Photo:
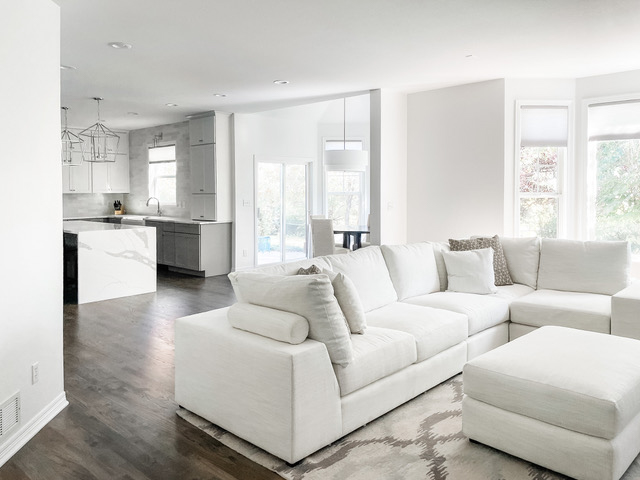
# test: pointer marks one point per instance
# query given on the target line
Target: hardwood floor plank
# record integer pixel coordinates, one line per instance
(119, 379)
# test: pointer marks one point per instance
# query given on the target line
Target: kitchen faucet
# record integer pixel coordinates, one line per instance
(159, 212)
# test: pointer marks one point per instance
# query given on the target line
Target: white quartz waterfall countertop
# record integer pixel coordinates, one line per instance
(151, 218)
(79, 226)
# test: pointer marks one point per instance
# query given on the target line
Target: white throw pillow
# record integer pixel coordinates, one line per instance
(412, 269)
(310, 296)
(276, 324)
(470, 271)
(347, 295)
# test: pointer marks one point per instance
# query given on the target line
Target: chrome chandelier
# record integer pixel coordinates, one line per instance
(102, 141)
(72, 145)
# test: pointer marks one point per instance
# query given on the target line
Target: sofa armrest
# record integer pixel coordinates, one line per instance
(625, 312)
(283, 398)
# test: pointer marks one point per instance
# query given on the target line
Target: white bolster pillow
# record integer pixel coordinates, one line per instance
(269, 322)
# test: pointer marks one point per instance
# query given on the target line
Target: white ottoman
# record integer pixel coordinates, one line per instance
(566, 399)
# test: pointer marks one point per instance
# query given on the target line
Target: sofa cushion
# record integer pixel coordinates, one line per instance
(586, 311)
(438, 248)
(276, 324)
(368, 271)
(581, 381)
(310, 296)
(589, 267)
(523, 259)
(377, 354)
(511, 292)
(500, 270)
(483, 311)
(412, 269)
(470, 271)
(348, 299)
(293, 267)
(433, 329)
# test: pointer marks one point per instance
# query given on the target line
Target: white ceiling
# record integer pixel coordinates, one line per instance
(184, 51)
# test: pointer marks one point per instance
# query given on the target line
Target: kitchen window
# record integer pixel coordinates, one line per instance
(541, 159)
(162, 174)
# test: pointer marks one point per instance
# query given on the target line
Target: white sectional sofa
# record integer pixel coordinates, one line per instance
(270, 381)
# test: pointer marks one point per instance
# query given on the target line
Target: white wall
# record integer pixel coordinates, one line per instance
(31, 240)
(526, 90)
(388, 167)
(455, 161)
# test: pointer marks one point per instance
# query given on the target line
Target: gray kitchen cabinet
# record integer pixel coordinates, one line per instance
(211, 168)
(188, 251)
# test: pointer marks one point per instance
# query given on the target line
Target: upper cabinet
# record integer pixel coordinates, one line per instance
(202, 130)
(100, 177)
(210, 163)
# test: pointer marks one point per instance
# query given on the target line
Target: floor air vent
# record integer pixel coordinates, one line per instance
(9, 414)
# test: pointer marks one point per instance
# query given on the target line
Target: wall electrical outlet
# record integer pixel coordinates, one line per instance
(245, 253)
(35, 373)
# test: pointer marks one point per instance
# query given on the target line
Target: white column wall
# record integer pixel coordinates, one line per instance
(455, 162)
(31, 240)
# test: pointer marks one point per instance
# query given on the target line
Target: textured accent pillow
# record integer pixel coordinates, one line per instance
(312, 270)
(470, 271)
(276, 324)
(310, 296)
(500, 270)
(349, 301)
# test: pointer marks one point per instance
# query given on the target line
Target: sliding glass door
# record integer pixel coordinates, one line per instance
(282, 199)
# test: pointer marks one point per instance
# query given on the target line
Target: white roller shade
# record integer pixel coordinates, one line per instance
(544, 126)
(162, 154)
(614, 121)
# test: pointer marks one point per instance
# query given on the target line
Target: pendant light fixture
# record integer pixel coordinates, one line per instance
(72, 145)
(352, 160)
(102, 142)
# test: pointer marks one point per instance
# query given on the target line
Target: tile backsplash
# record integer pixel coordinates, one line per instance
(89, 204)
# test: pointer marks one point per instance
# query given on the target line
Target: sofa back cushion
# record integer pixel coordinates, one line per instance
(368, 271)
(438, 248)
(412, 269)
(293, 267)
(589, 267)
(523, 259)
(310, 296)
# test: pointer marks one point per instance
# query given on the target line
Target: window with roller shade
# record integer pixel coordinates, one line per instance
(542, 154)
(614, 171)
(162, 174)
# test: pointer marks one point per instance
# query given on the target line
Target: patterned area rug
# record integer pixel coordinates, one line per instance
(421, 439)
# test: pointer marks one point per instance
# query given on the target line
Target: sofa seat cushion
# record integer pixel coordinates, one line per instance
(482, 311)
(511, 292)
(581, 381)
(368, 271)
(586, 311)
(377, 354)
(433, 329)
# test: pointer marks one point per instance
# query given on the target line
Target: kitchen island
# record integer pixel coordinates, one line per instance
(104, 261)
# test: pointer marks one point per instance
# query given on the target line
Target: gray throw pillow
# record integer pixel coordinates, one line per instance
(500, 270)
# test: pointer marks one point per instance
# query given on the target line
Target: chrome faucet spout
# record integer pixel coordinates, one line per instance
(158, 212)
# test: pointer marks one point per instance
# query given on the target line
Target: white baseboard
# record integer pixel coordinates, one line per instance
(28, 431)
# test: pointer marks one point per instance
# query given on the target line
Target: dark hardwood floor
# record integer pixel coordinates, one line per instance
(121, 421)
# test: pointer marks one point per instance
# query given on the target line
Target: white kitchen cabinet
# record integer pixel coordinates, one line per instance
(202, 130)
(76, 178)
(203, 207)
(203, 171)
(111, 177)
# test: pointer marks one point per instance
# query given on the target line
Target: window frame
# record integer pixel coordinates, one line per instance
(175, 161)
(364, 192)
(565, 165)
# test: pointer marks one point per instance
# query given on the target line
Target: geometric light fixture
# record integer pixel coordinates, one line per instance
(349, 160)
(102, 143)
(72, 145)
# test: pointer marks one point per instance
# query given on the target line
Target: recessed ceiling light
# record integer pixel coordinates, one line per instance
(67, 67)
(221, 95)
(171, 104)
(281, 82)
(470, 55)
(134, 114)
(119, 45)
